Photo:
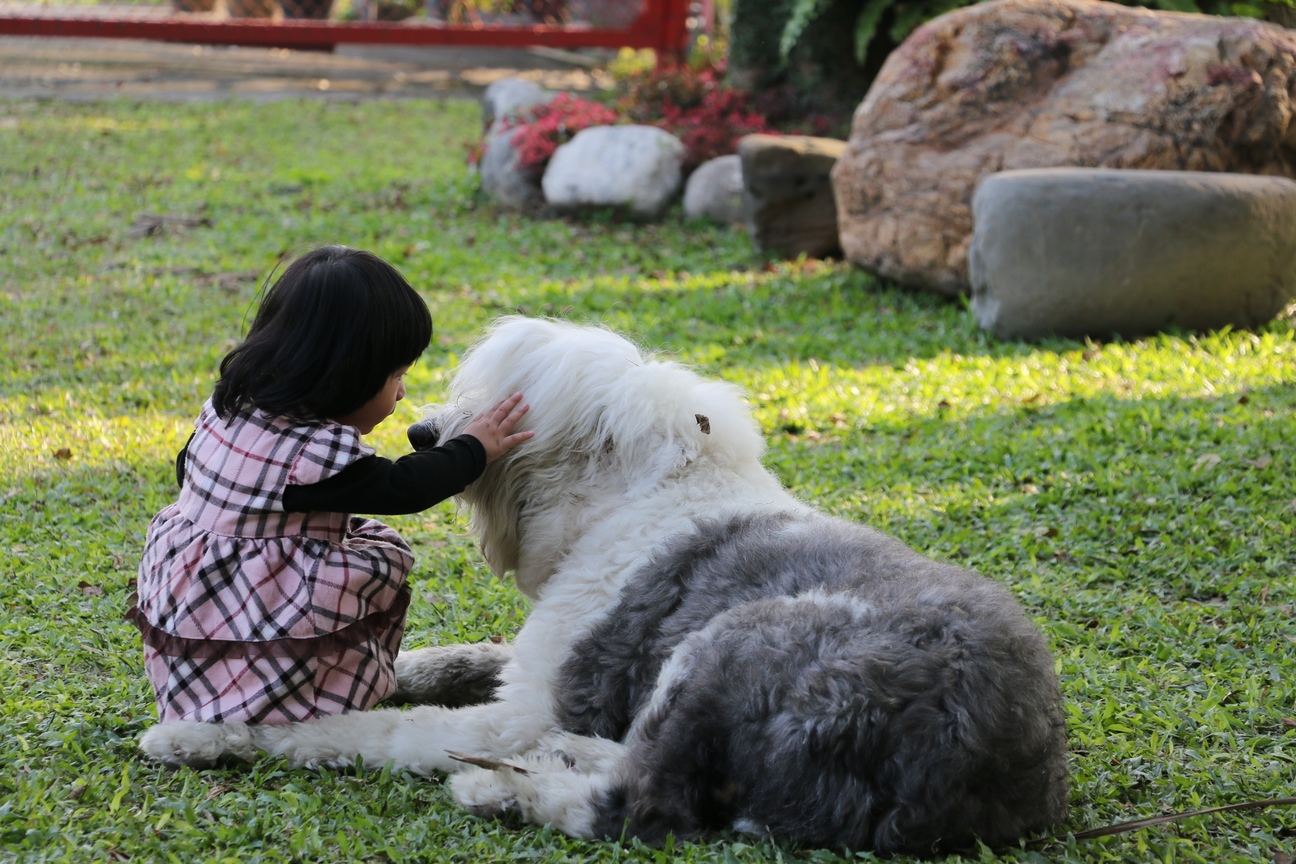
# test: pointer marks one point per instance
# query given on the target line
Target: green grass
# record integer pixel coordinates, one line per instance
(1136, 496)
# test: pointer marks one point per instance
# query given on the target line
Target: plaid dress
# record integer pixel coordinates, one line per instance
(254, 614)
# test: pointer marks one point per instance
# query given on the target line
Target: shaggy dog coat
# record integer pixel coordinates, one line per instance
(704, 652)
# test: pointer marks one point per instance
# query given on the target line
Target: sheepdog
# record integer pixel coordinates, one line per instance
(704, 652)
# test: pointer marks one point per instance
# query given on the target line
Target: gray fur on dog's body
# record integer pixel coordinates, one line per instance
(703, 651)
(847, 692)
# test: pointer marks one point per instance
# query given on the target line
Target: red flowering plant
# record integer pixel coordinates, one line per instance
(546, 127)
(690, 101)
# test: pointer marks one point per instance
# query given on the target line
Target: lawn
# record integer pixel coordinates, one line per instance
(1136, 496)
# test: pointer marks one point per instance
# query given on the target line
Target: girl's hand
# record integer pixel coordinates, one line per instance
(494, 429)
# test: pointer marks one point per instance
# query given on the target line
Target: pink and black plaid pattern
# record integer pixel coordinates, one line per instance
(250, 613)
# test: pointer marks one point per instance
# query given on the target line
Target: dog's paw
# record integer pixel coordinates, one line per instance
(483, 793)
(181, 743)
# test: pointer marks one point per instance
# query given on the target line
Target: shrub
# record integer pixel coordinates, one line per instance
(548, 126)
(691, 101)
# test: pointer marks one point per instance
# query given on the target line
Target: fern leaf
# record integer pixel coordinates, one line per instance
(803, 13)
(866, 26)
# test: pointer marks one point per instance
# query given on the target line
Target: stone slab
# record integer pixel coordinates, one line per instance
(1099, 252)
(788, 193)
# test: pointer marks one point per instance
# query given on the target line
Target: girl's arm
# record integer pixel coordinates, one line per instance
(382, 487)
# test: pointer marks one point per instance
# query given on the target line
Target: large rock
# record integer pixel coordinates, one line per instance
(1043, 83)
(715, 191)
(789, 193)
(1094, 252)
(638, 168)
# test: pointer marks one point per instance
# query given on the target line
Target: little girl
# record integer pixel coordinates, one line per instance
(260, 598)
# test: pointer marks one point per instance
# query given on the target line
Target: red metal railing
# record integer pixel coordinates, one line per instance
(661, 25)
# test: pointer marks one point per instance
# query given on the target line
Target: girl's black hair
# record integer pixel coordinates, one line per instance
(328, 335)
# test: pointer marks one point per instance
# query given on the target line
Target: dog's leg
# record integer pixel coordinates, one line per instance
(418, 740)
(585, 754)
(450, 675)
(453, 675)
(548, 793)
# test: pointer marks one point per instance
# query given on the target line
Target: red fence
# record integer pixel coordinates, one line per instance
(661, 25)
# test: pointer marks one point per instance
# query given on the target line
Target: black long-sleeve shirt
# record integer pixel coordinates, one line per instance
(382, 487)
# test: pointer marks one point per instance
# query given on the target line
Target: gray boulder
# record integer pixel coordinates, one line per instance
(503, 177)
(715, 191)
(789, 195)
(509, 97)
(1092, 252)
(638, 168)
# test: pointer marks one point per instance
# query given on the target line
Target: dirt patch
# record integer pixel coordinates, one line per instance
(84, 70)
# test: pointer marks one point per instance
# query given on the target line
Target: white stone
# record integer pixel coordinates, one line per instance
(508, 97)
(503, 178)
(715, 191)
(635, 167)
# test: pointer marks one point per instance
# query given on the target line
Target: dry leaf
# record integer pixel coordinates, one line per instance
(1261, 462)
(63, 453)
(90, 590)
(498, 640)
(1207, 460)
(483, 762)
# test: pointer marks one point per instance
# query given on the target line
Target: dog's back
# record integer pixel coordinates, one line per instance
(819, 681)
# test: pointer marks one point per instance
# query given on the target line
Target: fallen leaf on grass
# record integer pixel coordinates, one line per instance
(1261, 462)
(1289, 721)
(1207, 460)
(90, 590)
(63, 453)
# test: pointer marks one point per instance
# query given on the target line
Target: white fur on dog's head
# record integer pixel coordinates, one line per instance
(609, 423)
